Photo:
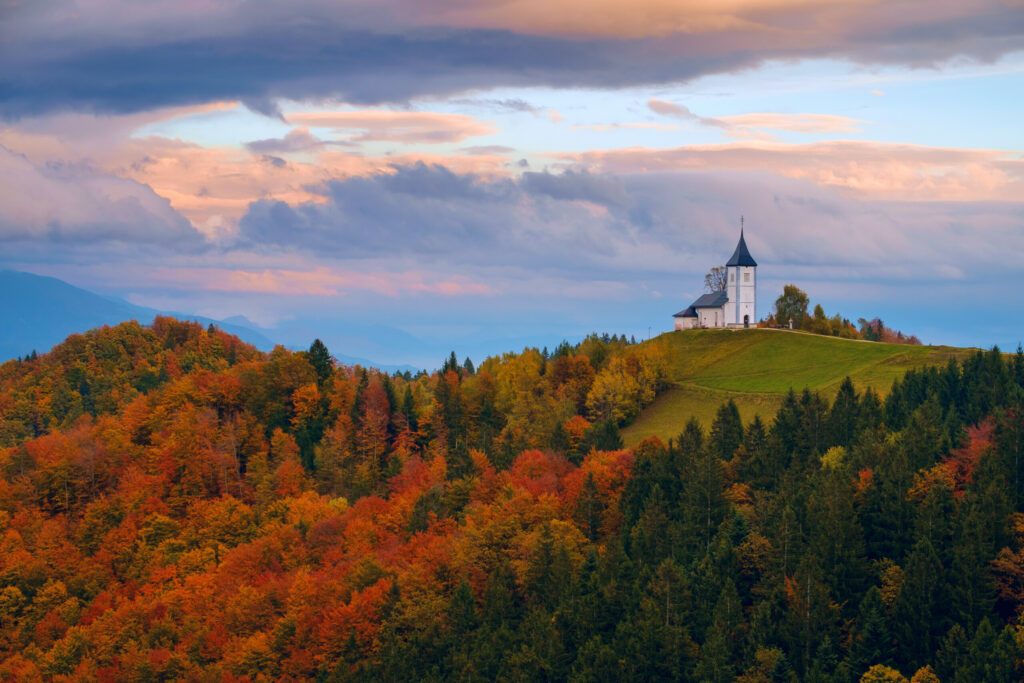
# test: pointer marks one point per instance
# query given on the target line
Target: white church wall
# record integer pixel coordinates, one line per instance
(711, 317)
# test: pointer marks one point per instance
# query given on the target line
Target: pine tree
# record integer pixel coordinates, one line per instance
(703, 505)
(836, 537)
(844, 416)
(726, 430)
(952, 653)
(650, 537)
(604, 436)
(870, 411)
(871, 641)
(321, 360)
(462, 611)
(991, 657)
(589, 509)
(918, 608)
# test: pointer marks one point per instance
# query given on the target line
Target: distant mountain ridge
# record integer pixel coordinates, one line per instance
(38, 312)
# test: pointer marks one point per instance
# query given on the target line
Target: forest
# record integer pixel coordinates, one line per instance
(176, 505)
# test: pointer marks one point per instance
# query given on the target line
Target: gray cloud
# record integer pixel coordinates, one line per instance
(500, 105)
(578, 224)
(297, 140)
(115, 57)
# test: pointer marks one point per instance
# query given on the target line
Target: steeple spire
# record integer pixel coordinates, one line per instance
(741, 257)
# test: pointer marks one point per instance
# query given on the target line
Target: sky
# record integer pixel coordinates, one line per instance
(407, 177)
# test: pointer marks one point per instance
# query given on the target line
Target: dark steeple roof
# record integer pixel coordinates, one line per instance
(741, 257)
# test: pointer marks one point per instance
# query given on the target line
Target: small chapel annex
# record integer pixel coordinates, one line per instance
(736, 305)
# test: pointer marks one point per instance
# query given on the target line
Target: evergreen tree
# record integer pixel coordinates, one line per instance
(321, 360)
(724, 639)
(604, 436)
(703, 504)
(726, 431)
(870, 411)
(991, 657)
(462, 611)
(871, 641)
(844, 416)
(409, 409)
(549, 572)
(952, 653)
(918, 609)
(836, 538)
(650, 537)
(589, 509)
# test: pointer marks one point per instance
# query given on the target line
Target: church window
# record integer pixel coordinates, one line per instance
(730, 276)
(746, 277)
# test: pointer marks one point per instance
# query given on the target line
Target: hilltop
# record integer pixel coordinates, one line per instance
(757, 367)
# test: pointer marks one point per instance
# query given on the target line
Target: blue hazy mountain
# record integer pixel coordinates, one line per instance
(37, 312)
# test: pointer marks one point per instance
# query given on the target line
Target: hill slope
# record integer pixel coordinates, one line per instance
(756, 368)
(37, 312)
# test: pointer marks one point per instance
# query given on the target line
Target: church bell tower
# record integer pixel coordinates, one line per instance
(741, 286)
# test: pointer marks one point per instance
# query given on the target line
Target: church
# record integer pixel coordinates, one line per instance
(736, 305)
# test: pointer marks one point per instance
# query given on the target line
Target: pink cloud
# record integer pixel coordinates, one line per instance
(396, 126)
(214, 186)
(796, 123)
(319, 281)
(751, 124)
(876, 170)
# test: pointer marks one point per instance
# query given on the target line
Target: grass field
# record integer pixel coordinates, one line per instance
(757, 367)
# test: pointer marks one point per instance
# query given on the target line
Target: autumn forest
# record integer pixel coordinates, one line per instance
(177, 505)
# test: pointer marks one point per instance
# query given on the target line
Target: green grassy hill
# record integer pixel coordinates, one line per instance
(757, 367)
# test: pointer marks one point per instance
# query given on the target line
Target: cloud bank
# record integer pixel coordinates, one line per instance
(628, 224)
(125, 56)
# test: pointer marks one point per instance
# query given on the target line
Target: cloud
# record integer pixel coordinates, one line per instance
(60, 204)
(628, 226)
(624, 125)
(671, 109)
(750, 125)
(876, 170)
(121, 56)
(740, 124)
(322, 281)
(512, 104)
(297, 140)
(483, 150)
(213, 187)
(397, 126)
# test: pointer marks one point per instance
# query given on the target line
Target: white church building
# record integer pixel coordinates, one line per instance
(736, 305)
